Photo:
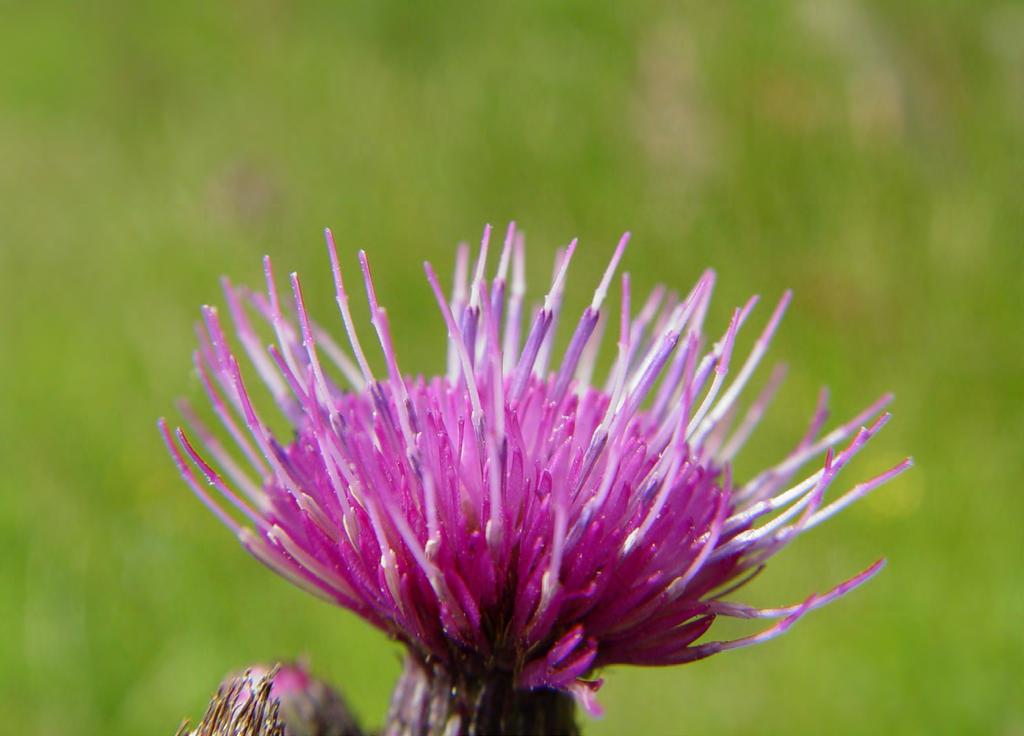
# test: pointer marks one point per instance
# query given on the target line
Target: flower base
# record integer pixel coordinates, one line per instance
(430, 701)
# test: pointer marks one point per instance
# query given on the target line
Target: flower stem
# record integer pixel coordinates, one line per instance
(431, 701)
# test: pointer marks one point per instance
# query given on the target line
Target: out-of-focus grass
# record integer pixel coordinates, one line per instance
(867, 154)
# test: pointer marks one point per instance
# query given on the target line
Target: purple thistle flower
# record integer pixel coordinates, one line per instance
(508, 516)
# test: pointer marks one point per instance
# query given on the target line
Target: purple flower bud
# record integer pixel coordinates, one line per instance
(309, 706)
(281, 701)
(242, 706)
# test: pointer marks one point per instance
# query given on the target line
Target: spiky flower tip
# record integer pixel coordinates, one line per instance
(284, 700)
(242, 706)
(512, 520)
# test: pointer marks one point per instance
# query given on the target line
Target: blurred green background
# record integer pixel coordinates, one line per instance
(867, 154)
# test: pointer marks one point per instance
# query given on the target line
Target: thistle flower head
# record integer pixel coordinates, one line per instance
(514, 513)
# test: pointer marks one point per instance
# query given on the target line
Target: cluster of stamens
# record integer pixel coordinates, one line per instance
(512, 512)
